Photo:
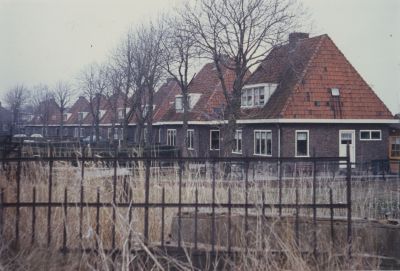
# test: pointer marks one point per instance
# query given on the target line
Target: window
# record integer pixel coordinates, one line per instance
(179, 103)
(121, 113)
(109, 133)
(81, 115)
(190, 137)
(262, 142)
(238, 142)
(257, 96)
(66, 116)
(302, 144)
(395, 147)
(171, 137)
(335, 92)
(214, 139)
(370, 135)
(120, 134)
(76, 132)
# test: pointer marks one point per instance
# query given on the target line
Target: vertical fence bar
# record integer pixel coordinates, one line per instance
(64, 249)
(18, 196)
(331, 216)
(229, 219)
(213, 208)
(280, 186)
(114, 197)
(33, 226)
(180, 203)
(1, 212)
(162, 215)
(263, 241)
(314, 200)
(146, 201)
(50, 195)
(81, 195)
(348, 182)
(97, 217)
(297, 219)
(196, 212)
(246, 209)
(130, 198)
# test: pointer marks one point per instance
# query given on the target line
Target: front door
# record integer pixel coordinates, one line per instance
(347, 137)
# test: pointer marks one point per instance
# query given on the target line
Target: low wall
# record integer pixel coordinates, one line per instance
(369, 236)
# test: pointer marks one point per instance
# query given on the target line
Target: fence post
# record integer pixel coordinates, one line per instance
(180, 165)
(114, 198)
(349, 222)
(50, 192)
(1, 212)
(280, 185)
(146, 200)
(81, 195)
(213, 208)
(314, 199)
(18, 196)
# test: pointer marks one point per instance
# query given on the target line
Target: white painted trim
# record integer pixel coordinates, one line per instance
(353, 143)
(262, 121)
(370, 133)
(254, 121)
(174, 133)
(266, 147)
(219, 139)
(187, 134)
(236, 152)
(308, 143)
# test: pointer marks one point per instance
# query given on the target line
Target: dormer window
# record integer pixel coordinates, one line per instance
(146, 109)
(81, 115)
(335, 92)
(179, 103)
(193, 98)
(257, 95)
(102, 113)
(121, 113)
(66, 116)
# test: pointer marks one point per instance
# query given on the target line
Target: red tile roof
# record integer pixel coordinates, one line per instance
(305, 73)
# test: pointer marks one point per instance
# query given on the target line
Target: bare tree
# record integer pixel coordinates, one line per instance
(114, 94)
(236, 35)
(148, 73)
(121, 74)
(41, 102)
(180, 51)
(93, 82)
(62, 93)
(15, 98)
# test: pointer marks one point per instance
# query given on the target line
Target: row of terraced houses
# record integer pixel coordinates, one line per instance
(304, 98)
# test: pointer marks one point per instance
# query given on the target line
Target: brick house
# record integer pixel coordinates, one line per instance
(305, 98)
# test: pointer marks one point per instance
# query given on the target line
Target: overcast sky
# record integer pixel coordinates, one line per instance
(50, 40)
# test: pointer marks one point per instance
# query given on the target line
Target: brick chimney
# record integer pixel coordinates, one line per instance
(296, 36)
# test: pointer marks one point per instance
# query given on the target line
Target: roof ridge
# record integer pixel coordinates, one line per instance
(304, 72)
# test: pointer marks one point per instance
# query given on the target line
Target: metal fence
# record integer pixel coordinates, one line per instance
(226, 170)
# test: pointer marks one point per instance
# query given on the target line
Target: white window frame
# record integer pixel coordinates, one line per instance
(190, 141)
(219, 140)
(180, 97)
(236, 149)
(266, 145)
(308, 143)
(255, 91)
(370, 135)
(173, 138)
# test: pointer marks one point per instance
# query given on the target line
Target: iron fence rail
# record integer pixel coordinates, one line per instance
(213, 206)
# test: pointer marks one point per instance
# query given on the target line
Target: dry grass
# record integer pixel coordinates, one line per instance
(98, 176)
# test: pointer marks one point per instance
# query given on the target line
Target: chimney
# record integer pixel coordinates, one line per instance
(296, 36)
